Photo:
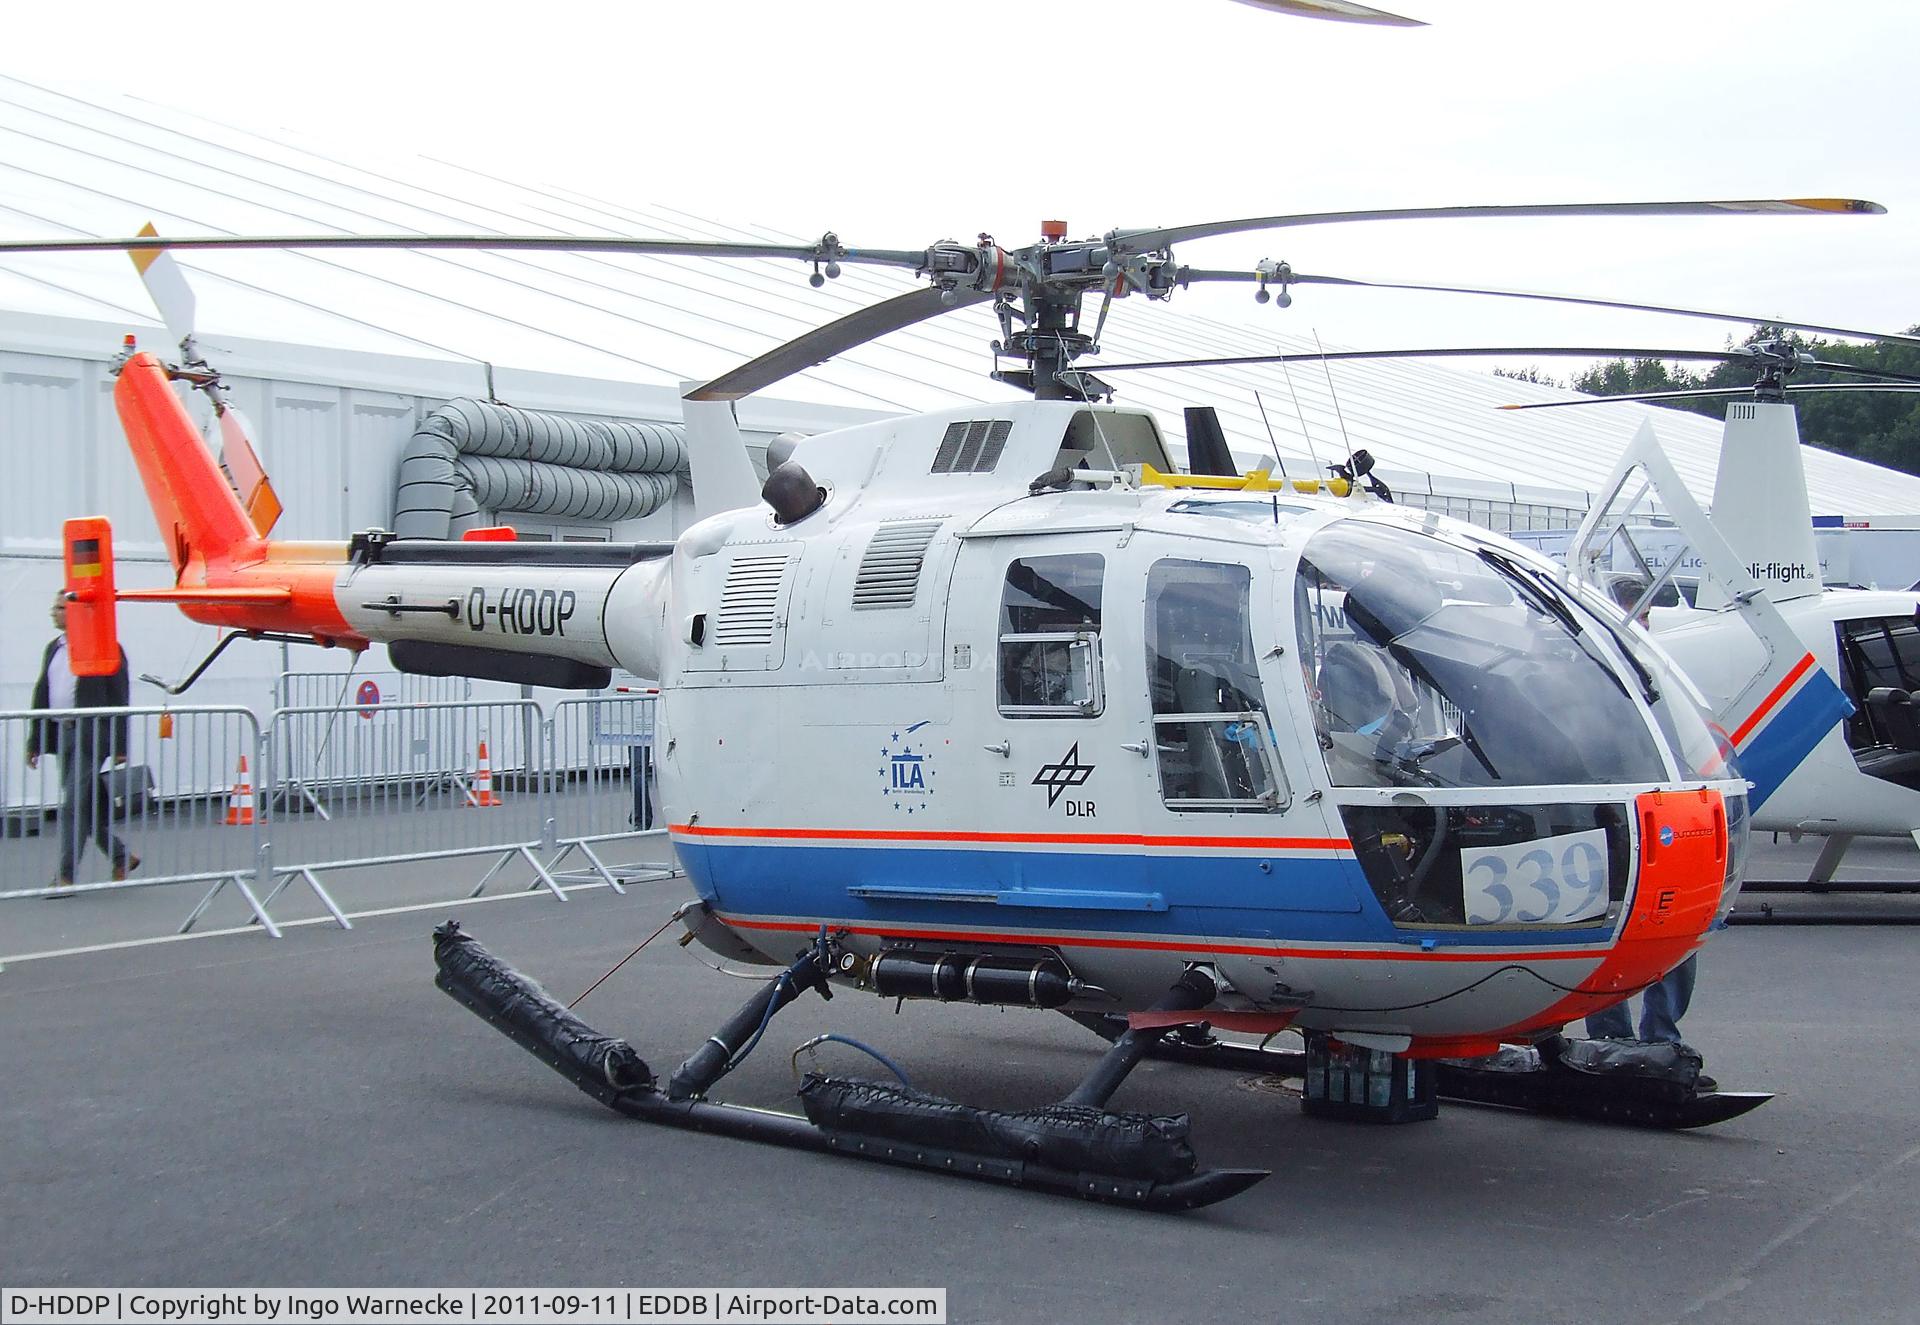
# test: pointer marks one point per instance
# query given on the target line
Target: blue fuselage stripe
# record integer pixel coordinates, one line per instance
(1313, 900)
(1786, 738)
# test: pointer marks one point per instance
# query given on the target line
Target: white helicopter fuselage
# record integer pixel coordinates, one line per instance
(993, 700)
(1833, 791)
(874, 719)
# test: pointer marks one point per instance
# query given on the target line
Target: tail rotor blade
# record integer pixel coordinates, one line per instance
(167, 285)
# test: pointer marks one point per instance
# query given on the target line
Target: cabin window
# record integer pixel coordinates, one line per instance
(1050, 637)
(1213, 743)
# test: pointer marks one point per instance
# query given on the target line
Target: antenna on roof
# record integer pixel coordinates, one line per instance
(1346, 446)
(1271, 439)
(1313, 455)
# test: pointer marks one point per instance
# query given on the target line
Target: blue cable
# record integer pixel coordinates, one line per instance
(765, 1020)
(869, 1051)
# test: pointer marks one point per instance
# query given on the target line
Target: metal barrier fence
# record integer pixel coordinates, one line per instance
(96, 799)
(315, 755)
(358, 690)
(147, 796)
(600, 753)
(409, 782)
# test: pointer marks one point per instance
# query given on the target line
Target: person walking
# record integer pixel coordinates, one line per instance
(83, 744)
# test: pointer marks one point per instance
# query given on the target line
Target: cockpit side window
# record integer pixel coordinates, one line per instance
(1049, 663)
(1213, 743)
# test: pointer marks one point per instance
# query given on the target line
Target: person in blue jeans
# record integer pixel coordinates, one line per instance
(1662, 1005)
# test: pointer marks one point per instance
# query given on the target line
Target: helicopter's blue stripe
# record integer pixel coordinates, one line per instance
(1790, 733)
(1302, 900)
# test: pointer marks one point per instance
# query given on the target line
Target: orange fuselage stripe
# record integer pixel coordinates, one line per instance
(1766, 705)
(1016, 839)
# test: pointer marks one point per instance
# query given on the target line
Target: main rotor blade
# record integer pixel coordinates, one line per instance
(1701, 393)
(1488, 352)
(501, 243)
(1140, 241)
(1297, 278)
(1341, 11)
(1314, 356)
(822, 343)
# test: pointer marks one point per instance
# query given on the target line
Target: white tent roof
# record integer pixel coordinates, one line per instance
(73, 166)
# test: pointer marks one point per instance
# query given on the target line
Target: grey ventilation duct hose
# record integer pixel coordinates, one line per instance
(471, 456)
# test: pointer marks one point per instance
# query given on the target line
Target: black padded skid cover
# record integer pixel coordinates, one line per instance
(1070, 1137)
(1676, 1065)
(1658, 1066)
(604, 1066)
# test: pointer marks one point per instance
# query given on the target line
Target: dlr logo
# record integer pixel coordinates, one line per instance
(1079, 809)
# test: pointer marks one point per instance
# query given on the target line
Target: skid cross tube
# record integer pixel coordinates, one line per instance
(1194, 989)
(725, 1047)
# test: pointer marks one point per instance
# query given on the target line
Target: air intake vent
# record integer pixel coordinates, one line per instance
(971, 448)
(748, 602)
(890, 570)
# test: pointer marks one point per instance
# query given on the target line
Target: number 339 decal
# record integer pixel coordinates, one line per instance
(1548, 881)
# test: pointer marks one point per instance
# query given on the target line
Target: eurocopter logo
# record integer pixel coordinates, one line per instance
(1669, 835)
(906, 775)
(1063, 777)
(1780, 572)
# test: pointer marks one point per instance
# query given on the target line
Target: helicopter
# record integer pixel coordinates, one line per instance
(994, 704)
(1863, 778)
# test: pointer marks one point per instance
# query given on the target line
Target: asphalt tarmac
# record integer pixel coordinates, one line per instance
(309, 1112)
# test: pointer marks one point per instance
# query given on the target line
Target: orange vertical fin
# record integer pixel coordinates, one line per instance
(199, 515)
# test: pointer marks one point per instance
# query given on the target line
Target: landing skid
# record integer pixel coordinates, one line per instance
(1570, 1095)
(1544, 1090)
(1135, 1160)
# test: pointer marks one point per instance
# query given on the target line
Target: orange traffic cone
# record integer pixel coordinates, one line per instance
(240, 801)
(481, 793)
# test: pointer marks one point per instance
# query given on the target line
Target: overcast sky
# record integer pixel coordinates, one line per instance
(896, 123)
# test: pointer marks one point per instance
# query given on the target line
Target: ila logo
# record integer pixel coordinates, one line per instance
(906, 770)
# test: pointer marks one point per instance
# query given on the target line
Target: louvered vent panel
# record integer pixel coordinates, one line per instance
(996, 443)
(890, 570)
(949, 448)
(970, 449)
(748, 601)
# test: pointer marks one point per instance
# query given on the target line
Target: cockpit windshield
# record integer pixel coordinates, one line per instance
(1430, 664)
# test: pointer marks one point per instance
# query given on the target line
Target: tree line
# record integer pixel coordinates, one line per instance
(1879, 426)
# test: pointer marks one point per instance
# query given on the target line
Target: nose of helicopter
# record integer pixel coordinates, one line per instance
(1684, 858)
